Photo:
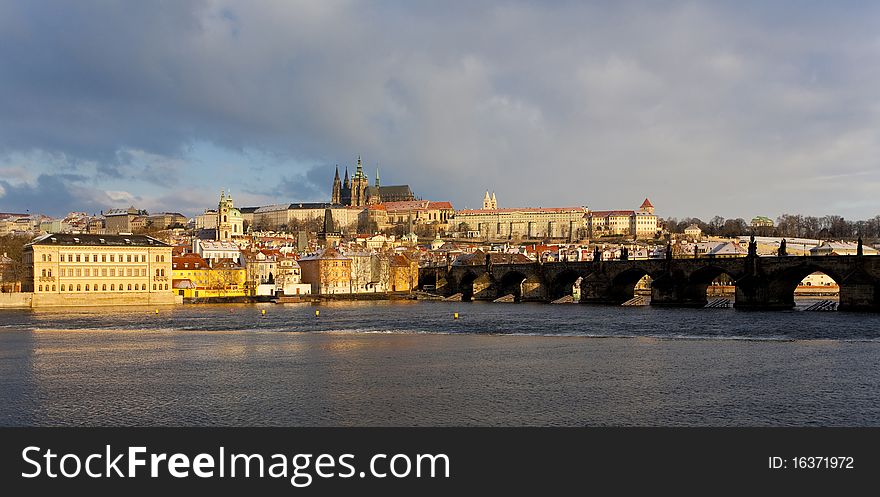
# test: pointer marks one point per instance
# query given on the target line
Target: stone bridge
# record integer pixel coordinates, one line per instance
(760, 282)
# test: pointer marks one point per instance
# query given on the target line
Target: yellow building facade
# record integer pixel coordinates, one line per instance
(85, 269)
(404, 275)
(194, 278)
(328, 272)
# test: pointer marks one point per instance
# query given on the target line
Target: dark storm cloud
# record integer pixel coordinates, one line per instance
(570, 103)
(312, 186)
(52, 193)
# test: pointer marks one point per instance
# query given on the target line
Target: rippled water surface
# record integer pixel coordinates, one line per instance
(410, 363)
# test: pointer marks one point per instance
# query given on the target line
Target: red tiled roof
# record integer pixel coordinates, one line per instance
(194, 261)
(611, 213)
(647, 203)
(414, 205)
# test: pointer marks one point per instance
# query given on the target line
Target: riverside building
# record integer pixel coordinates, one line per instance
(85, 269)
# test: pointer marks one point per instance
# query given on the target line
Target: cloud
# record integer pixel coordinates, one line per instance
(311, 186)
(706, 108)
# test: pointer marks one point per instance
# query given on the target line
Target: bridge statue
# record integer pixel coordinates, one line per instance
(782, 252)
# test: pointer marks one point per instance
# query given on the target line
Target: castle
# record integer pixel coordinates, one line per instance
(357, 192)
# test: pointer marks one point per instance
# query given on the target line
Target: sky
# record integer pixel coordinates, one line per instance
(732, 108)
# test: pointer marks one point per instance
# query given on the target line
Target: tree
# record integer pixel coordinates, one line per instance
(734, 227)
(715, 225)
(14, 272)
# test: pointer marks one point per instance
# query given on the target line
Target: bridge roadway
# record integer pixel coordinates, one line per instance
(761, 282)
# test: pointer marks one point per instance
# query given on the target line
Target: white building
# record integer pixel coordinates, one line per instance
(212, 250)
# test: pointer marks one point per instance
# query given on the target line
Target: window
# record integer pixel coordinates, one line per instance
(128, 273)
(112, 287)
(104, 272)
(78, 288)
(94, 257)
(49, 257)
(44, 257)
(49, 272)
(162, 257)
(128, 259)
(44, 273)
(112, 258)
(40, 288)
(154, 287)
(104, 287)
(162, 270)
(103, 257)
(157, 258)
(166, 286)
(86, 271)
(53, 288)
(87, 287)
(78, 272)
(77, 257)
(129, 286)
(112, 271)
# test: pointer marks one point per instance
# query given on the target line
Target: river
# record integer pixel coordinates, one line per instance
(409, 363)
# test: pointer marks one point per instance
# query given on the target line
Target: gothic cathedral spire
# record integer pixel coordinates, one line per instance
(336, 196)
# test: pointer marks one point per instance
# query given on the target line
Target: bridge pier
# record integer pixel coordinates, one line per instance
(676, 291)
(757, 293)
(858, 292)
(597, 289)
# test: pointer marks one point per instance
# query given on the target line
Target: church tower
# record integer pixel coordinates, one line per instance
(487, 202)
(374, 194)
(336, 196)
(359, 184)
(494, 202)
(224, 228)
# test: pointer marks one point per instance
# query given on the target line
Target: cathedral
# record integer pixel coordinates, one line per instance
(357, 192)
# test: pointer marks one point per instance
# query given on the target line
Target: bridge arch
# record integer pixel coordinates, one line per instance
(623, 285)
(710, 281)
(563, 282)
(476, 286)
(512, 284)
(785, 283)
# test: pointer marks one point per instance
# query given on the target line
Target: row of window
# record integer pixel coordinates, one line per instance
(103, 257)
(104, 272)
(94, 288)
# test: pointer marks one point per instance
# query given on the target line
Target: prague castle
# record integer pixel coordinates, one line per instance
(357, 192)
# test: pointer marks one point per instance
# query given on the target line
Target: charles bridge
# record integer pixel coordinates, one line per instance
(760, 282)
